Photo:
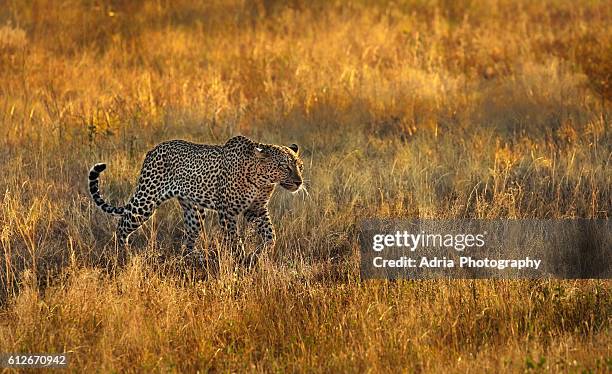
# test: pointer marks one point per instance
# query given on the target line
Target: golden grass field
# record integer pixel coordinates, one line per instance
(418, 108)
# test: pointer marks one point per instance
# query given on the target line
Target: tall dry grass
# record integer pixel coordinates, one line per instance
(496, 109)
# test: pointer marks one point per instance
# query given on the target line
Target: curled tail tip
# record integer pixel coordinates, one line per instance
(94, 174)
(95, 171)
(99, 167)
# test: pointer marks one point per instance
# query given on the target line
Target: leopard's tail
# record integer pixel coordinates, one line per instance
(94, 191)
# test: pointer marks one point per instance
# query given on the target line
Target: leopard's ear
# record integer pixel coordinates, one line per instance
(294, 147)
(259, 152)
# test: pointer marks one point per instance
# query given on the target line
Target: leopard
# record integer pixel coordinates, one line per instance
(234, 179)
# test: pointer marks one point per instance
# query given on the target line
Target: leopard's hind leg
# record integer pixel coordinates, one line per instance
(140, 208)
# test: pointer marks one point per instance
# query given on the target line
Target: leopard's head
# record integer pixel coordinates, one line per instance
(280, 164)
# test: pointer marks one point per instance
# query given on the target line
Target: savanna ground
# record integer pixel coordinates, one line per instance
(494, 109)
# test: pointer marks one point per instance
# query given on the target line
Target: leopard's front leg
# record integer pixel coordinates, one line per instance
(265, 230)
(230, 236)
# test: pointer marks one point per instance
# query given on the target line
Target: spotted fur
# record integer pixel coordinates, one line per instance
(233, 179)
